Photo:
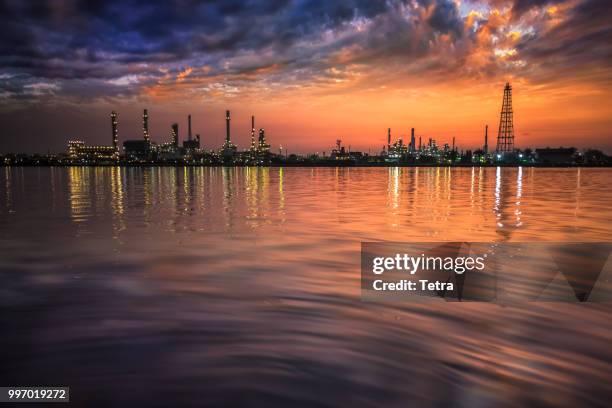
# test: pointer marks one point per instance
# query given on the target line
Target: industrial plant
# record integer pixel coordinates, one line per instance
(396, 152)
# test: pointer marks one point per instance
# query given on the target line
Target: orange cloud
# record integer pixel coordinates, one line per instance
(184, 74)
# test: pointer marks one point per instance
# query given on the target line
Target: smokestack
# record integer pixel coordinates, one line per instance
(227, 126)
(453, 143)
(114, 130)
(412, 141)
(253, 131)
(388, 138)
(175, 135)
(145, 125)
(420, 145)
(486, 145)
(189, 127)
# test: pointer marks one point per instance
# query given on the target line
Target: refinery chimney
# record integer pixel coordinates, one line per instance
(145, 125)
(412, 141)
(114, 130)
(175, 135)
(253, 132)
(227, 126)
(486, 144)
(388, 139)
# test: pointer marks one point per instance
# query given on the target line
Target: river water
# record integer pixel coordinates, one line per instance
(240, 286)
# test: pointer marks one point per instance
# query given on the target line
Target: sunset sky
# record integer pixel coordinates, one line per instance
(310, 71)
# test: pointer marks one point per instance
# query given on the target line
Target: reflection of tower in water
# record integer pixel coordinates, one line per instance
(507, 206)
(342, 192)
(227, 175)
(412, 193)
(257, 194)
(472, 186)
(117, 197)
(147, 187)
(577, 198)
(117, 191)
(7, 183)
(80, 199)
(448, 193)
(281, 195)
(519, 196)
(394, 192)
(187, 190)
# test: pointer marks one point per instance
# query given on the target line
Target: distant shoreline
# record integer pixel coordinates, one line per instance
(317, 165)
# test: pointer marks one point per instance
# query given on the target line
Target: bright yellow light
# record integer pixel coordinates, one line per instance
(505, 52)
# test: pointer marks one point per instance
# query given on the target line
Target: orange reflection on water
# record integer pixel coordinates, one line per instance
(247, 280)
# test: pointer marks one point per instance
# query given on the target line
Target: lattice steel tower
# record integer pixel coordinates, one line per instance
(505, 135)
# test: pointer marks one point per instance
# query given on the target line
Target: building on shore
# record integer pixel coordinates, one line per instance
(140, 149)
(81, 152)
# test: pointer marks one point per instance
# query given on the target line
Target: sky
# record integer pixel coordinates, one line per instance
(311, 71)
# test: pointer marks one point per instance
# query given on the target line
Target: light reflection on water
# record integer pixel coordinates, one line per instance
(241, 285)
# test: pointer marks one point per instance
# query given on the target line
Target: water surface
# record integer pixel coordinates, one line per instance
(221, 286)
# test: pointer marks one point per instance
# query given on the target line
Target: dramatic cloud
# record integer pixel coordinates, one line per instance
(143, 47)
(92, 51)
